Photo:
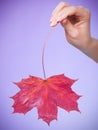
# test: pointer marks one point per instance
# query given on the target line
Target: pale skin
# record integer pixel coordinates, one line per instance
(76, 23)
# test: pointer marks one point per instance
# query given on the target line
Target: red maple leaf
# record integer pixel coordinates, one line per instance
(46, 95)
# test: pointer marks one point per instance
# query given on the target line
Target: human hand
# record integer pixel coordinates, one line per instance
(76, 23)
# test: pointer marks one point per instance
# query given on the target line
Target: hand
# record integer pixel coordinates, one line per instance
(76, 23)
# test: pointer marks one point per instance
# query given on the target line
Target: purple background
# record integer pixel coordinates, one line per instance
(23, 27)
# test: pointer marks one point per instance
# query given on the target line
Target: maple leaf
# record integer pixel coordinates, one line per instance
(46, 95)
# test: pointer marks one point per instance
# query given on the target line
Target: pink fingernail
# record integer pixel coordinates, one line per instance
(51, 24)
(58, 20)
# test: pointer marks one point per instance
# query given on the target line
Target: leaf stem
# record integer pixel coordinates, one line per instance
(43, 51)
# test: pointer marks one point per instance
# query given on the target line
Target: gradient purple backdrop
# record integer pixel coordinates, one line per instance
(23, 27)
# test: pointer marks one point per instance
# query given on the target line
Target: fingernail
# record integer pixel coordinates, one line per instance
(52, 18)
(58, 19)
(51, 24)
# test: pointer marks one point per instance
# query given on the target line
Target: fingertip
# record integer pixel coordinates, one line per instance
(53, 24)
(62, 3)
